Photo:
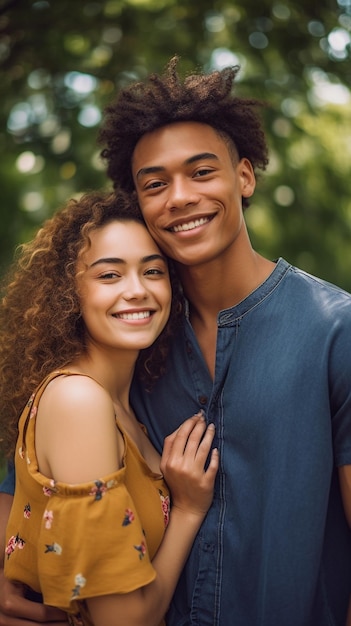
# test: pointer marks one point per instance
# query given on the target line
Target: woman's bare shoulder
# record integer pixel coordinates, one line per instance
(76, 434)
(69, 392)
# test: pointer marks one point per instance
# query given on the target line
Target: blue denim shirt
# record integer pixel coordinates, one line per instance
(275, 548)
(8, 484)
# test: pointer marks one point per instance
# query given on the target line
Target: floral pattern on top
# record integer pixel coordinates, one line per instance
(48, 491)
(99, 490)
(141, 548)
(53, 547)
(27, 511)
(80, 582)
(13, 543)
(128, 517)
(166, 507)
(48, 517)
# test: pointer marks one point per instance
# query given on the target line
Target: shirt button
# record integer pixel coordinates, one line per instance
(202, 400)
(209, 547)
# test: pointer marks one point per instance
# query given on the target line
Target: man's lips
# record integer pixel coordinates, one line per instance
(185, 226)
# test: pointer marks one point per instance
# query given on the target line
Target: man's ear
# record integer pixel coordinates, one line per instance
(247, 178)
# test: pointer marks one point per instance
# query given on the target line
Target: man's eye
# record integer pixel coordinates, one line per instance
(203, 172)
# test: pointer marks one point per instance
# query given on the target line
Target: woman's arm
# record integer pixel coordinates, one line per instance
(184, 457)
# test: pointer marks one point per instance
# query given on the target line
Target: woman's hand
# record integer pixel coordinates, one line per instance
(183, 462)
(16, 610)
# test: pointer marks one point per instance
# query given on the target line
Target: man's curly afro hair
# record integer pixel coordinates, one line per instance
(163, 99)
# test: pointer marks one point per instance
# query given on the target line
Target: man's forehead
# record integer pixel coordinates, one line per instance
(189, 141)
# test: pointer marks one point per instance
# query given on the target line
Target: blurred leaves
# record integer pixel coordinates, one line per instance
(62, 61)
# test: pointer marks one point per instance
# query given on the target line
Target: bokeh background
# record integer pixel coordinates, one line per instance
(62, 61)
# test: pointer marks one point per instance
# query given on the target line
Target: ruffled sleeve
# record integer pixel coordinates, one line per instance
(91, 543)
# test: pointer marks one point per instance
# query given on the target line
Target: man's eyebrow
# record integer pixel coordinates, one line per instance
(156, 169)
(118, 261)
(201, 157)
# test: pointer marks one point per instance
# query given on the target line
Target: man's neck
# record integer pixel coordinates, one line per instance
(217, 285)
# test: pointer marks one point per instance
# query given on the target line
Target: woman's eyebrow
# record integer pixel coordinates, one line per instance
(118, 261)
(153, 257)
(111, 260)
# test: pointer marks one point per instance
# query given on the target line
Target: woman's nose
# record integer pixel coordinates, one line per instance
(134, 288)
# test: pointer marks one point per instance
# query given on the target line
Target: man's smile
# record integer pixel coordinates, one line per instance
(177, 228)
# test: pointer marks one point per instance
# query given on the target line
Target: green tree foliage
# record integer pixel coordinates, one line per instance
(62, 61)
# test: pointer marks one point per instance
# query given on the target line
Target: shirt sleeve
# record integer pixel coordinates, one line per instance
(8, 484)
(91, 543)
(340, 387)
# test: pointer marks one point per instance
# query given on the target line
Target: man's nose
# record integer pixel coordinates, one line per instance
(181, 194)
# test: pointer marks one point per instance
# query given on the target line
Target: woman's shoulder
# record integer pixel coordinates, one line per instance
(76, 434)
(66, 390)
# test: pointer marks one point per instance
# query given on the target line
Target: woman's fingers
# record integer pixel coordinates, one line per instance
(204, 444)
(189, 439)
(189, 446)
(176, 441)
(213, 465)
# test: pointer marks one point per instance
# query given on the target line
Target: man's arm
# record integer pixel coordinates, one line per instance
(15, 609)
(345, 487)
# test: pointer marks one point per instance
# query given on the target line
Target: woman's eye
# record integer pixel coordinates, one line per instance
(154, 185)
(108, 275)
(154, 271)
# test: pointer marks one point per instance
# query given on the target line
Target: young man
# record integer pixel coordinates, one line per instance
(264, 349)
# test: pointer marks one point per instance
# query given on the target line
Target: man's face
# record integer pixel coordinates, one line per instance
(190, 190)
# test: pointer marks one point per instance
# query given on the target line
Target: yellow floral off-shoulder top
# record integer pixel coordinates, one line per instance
(72, 542)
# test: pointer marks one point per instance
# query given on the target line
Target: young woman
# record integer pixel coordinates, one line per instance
(90, 527)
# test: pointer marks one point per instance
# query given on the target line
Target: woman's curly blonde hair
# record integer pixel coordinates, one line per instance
(41, 328)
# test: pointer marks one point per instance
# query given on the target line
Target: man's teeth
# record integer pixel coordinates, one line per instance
(190, 225)
(134, 316)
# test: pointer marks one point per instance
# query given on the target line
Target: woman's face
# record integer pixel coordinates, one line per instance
(124, 287)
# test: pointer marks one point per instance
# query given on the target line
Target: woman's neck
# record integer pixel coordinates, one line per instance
(113, 372)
